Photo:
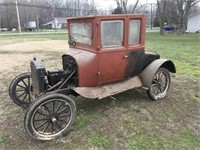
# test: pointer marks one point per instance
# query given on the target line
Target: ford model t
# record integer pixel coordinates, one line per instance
(106, 56)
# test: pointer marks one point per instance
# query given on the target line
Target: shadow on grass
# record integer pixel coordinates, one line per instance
(122, 100)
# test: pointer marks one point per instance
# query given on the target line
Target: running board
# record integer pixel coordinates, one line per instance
(108, 90)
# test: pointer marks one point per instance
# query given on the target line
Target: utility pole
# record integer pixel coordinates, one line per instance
(18, 19)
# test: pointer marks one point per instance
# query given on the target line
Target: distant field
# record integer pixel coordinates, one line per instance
(49, 36)
(130, 121)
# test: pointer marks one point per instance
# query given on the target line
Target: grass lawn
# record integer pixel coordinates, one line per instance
(184, 50)
(35, 37)
(131, 120)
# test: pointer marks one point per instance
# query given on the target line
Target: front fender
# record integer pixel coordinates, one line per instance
(146, 76)
(87, 63)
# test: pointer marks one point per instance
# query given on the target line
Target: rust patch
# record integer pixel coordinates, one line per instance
(108, 90)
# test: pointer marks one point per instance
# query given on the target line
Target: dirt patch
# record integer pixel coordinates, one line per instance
(12, 54)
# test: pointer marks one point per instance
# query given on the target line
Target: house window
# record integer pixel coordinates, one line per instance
(134, 32)
(57, 24)
(112, 33)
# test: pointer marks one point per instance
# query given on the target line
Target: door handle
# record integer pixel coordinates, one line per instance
(126, 56)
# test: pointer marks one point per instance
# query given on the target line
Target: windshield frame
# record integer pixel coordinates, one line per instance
(78, 44)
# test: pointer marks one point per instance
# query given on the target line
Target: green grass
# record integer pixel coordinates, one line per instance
(183, 50)
(81, 121)
(4, 138)
(100, 140)
(154, 28)
(131, 120)
(157, 140)
(35, 37)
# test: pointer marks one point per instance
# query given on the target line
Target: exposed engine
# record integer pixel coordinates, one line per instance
(46, 81)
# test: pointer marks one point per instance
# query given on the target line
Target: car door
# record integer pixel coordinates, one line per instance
(112, 53)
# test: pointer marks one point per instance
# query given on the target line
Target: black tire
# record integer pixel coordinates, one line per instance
(160, 84)
(50, 117)
(20, 90)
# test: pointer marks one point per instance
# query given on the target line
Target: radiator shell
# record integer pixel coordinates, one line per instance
(38, 76)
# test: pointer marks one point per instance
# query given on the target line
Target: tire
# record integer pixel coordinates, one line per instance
(20, 90)
(160, 84)
(50, 117)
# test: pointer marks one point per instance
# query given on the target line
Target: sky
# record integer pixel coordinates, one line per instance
(111, 4)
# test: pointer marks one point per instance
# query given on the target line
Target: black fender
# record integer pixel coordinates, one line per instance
(146, 76)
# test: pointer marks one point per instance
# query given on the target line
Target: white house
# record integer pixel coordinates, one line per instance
(193, 24)
(57, 23)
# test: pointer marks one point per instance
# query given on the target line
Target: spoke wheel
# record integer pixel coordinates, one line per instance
(50, 117)
(20, 90)
(160, 84)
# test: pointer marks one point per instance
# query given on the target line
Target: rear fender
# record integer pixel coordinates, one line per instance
(146, 76)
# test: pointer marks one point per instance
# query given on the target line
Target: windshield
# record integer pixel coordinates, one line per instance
(80, 33)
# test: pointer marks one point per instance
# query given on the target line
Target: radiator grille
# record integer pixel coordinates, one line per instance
(38, 75)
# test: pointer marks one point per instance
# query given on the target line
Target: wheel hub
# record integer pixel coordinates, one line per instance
(53, 119)
(27, 90)
(159, 83)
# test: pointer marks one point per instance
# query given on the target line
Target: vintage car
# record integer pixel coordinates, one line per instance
(106, 56)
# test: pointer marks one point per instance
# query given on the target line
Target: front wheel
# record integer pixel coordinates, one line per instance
(50, 117)
(160, 84)
(20, 90)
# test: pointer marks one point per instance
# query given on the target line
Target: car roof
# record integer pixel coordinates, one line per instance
(108, 16)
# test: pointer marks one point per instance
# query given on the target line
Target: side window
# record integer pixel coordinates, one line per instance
(134, 32)
(112, 33)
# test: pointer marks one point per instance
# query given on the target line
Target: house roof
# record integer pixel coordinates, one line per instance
(61, 20)
(195, 14)
(48, 23)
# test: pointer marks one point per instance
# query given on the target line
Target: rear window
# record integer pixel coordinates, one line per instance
(134, 32)
(112, 33)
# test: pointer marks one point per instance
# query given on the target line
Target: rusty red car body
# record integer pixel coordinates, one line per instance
(119, 68)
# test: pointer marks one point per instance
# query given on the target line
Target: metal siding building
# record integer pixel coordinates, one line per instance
(193, 24)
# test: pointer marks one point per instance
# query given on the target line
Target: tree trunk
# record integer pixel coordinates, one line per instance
(161, 16)
(183, 8)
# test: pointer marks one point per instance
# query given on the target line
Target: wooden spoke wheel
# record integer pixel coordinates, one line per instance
(20, 90)
(50, 117)
(160, 84)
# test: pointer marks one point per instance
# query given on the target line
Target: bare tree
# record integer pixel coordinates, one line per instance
(122, 7)
(177, 13)
(195, 9)
(43, 11)
(132, 8)
(122, 4)
(1, 12)
(183, 10)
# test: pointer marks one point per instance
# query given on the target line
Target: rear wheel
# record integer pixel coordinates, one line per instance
(160, 84)
(50, 117)
(20, 90)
